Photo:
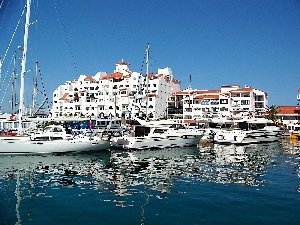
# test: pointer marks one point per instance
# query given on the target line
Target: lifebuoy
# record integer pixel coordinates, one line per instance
(12, 117)
(131, 127)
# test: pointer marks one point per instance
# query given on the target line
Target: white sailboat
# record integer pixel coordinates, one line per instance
(36, 144)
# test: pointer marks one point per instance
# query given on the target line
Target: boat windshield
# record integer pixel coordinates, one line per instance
(47, 129)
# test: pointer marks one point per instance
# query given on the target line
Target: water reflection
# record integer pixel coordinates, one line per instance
(148, 173)
(291, 152)
(236, 164)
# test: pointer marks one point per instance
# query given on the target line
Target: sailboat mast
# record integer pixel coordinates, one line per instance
(13, 87)
(147, 78)
(23, 70)
(190, 92)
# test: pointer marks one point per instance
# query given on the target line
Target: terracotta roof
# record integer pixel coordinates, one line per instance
(151, 75)
(247, 89)
(289, 109)
(116, 75)
(89, 78)
(182, 93)
(207, 97)
(123, 63)
(64, 96)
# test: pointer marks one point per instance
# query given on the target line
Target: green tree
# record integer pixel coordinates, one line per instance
(272, 112)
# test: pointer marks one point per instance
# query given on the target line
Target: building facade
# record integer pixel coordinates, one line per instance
(122, 93)
(229, 102)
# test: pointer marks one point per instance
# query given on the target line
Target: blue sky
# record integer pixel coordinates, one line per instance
(254, 43)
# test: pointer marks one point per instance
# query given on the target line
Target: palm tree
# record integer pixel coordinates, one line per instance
(272, 112)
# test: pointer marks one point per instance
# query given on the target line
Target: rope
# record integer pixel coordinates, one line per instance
(4, 12)
(13, 34)
(64, 35)
(43, 86)
(8, 83)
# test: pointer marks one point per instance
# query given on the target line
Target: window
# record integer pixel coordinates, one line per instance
(235, 95)
(246, 94)
(245, 102)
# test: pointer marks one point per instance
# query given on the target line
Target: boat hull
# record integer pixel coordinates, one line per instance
(156, 142)
(247, 137)
(58, 146)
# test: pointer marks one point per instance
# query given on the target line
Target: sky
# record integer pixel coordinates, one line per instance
(219, 42)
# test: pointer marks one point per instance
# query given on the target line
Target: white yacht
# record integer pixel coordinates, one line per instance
(158, 134)
(52, 139)
(250, 130)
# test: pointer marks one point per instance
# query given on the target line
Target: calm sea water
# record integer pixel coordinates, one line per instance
(209, 184)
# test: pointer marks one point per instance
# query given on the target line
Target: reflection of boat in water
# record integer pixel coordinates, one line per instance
(51, 163)
(167, 153)
(237, 164)
(146, 173)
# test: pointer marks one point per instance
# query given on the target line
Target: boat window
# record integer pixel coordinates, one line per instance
(297, 129)
(159, 131)
(57, 129)
(47, 129)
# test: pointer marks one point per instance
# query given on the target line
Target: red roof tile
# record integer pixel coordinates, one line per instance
(116, 75)
(123, 63)
(246, 89)
(288, 110)
(89, 78)
(207, 97)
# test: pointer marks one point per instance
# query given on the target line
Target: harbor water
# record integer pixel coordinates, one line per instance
(207, 184)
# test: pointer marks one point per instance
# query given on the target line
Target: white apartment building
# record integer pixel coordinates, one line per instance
(229, 101)
(121, 93)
